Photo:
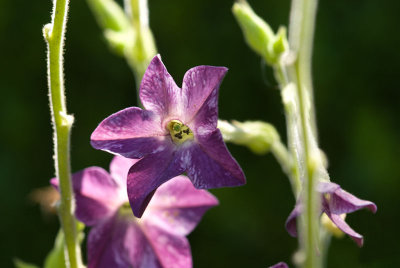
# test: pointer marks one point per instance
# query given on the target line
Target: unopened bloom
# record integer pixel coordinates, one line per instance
(175, 133)
(117, 238)
(334, 203)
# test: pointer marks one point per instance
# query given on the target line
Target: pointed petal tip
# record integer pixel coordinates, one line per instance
(139, 206)
(359, 241)
(372, 207)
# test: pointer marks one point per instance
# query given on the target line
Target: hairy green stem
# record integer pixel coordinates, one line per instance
(301, 32)
(62, 122)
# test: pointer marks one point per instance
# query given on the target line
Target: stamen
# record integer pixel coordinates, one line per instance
(179, 132)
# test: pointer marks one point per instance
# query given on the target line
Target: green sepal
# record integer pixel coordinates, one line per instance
(281, 43)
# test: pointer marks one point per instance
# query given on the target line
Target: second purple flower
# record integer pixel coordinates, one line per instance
(175, 133)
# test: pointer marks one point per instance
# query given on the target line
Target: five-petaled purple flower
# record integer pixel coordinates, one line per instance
(335, 202)
(175, 133)
(118, 239)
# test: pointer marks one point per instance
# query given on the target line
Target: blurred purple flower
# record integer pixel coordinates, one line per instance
(280, 265)
(118, 239)
(175, 133)
(335, 202)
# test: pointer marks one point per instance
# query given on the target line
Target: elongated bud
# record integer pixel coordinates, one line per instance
(258, 34)
(109, 15)
(256, 135)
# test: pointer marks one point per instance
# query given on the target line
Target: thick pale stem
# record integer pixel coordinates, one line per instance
(300, 39)
(62, 122)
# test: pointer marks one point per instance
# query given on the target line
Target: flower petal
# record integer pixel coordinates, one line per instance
(291, 222)
(172, 251)
(340, 201)
(147, 175)
(100, 253)
(177, 207)
(198, 84)
(132, 133)
(209, 164)
(344, 202)
(158, 91)
(342, 225)
(119, 168)
(120, 242)
(96, 194)
(206, 118)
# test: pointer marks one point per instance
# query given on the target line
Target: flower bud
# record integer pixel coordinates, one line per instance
(259, 35)
(109, 15)
(256, 135)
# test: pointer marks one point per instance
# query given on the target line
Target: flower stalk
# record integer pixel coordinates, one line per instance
(301, 33)
(54, 35)
(143, 48)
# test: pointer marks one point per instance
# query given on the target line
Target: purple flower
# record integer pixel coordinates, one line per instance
(117, 238)
(175, 133)
(280, 265)
(335, 203)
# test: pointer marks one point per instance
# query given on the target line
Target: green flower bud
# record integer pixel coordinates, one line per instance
(259, 35)
(256, 135)
(109, 15)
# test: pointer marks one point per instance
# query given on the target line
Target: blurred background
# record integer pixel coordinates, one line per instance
(356, 78)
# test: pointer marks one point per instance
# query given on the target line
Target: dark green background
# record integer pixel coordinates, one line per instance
(356, 61)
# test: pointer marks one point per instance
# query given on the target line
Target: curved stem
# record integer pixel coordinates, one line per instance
(62, 122)
(284, 158)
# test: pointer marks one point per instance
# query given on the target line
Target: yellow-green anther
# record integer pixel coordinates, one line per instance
(109, 15)
(258, 34)
(179, 132)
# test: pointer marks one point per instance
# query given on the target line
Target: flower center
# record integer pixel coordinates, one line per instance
(125, 209)
(179, 132)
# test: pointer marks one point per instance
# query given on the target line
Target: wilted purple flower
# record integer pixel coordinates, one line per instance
(335, 202)
(175, 133)
(117, 238)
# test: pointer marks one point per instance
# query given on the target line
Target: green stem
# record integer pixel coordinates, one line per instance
(284, 158)
(292, 128)
(62, 122)
(143, 48)
(300, 39)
